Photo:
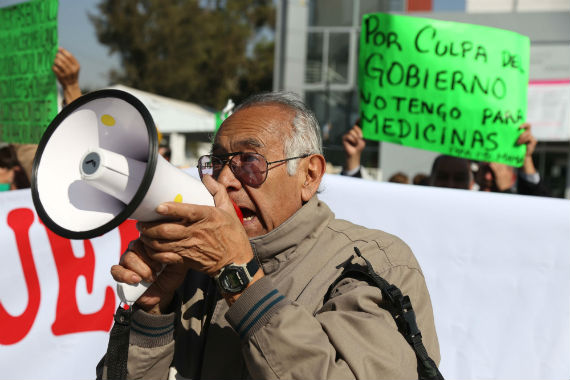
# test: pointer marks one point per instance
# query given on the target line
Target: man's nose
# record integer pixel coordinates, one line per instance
(228, 179)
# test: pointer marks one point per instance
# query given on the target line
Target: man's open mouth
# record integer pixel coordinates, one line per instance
(247, 214)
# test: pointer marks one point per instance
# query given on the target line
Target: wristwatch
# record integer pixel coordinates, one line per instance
(234, 278)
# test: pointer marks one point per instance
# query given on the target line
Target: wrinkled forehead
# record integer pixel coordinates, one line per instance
(258, 127)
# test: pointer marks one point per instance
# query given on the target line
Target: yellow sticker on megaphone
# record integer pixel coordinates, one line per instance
(108, 120)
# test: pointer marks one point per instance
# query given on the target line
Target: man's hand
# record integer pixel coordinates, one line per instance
(527, 138)
(136, 265)
(353, 145)
(66, 69)
(197, 237)
(504, 175)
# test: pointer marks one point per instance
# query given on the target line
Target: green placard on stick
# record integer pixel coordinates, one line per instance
(448, 87)
(28, 89)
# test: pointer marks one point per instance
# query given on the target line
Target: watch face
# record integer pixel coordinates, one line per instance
(233, 279)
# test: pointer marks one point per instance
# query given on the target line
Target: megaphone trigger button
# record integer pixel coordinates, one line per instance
(91, 163)
(108, 120)
(178, 198)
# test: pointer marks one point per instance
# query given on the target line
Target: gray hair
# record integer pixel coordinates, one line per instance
(306, 135)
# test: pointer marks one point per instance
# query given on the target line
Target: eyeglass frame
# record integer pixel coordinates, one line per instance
(227, 158)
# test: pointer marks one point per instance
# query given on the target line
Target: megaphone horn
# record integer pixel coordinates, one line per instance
(97, 165)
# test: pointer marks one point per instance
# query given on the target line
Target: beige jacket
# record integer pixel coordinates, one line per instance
(279, 327)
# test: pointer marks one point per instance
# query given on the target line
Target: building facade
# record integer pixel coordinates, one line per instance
(317, 57)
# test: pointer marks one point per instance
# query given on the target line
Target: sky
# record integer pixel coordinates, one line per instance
(77, 34)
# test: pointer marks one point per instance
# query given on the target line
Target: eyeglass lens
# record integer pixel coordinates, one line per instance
(249, 168)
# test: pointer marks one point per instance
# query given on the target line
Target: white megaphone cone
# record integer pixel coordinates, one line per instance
(97, 165)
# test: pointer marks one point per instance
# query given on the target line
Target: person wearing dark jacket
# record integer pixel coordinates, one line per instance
(493, 176)
(496, 177)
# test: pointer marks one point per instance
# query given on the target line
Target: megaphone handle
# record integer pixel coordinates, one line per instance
(129, 294)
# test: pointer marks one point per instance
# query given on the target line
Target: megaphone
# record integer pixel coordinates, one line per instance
(97, 165)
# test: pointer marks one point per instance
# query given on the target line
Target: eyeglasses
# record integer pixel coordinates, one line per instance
(249, 168)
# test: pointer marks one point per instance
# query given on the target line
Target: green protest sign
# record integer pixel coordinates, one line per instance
(28, 89)
(448, 87)
(224, 114)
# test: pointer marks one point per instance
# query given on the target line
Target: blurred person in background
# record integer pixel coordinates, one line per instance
(446, 171)
(165, 152)
(12, 175)
(497, 177)
(452, 172)
(66, 70)
(353, 144)
(421, 179)
(459, 173)
(399, 177)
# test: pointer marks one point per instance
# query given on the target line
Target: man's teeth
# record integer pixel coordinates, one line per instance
(248, 218)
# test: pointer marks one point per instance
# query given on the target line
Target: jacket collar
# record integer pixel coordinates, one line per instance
(276, 245)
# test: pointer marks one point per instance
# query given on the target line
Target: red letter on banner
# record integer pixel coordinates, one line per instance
(128, 232)
(15, 329)
(68, 318)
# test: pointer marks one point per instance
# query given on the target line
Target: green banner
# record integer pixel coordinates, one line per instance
(28, 89)
(220, 117)
(448, 87)
(224, 114)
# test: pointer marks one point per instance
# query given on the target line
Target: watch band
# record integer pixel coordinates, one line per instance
(252, 267)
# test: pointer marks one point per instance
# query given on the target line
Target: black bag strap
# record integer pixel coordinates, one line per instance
(399, 306)
(118, 348)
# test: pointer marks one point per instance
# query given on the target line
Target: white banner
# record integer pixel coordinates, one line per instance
(497, 266)
(57, 297)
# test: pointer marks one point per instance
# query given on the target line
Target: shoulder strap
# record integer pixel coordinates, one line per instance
(118, 349)
(401, 309)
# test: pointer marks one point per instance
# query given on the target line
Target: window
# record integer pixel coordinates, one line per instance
(314, 66)
(328, 58)
(338, 60)
(331, 12)
(337, 111)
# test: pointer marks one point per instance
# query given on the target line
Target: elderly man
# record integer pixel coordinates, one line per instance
(252, 299)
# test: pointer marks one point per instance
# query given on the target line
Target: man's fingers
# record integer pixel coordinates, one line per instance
(354, 137)
(167, 258)
(525, 126)
(63, 61)
(122, 274)
(66, 56)
(357, 131)
(137, 261)
(135, 264)
(351, 139)
(177, 210)
(221, 198)
(138, 248)
(164, 230)
(524, 138)
(65, 53)
(57, 70)
(527, 138)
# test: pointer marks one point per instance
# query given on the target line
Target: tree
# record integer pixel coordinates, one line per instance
(193, 50)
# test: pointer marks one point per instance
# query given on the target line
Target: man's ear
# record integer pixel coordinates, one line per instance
(313, 174)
